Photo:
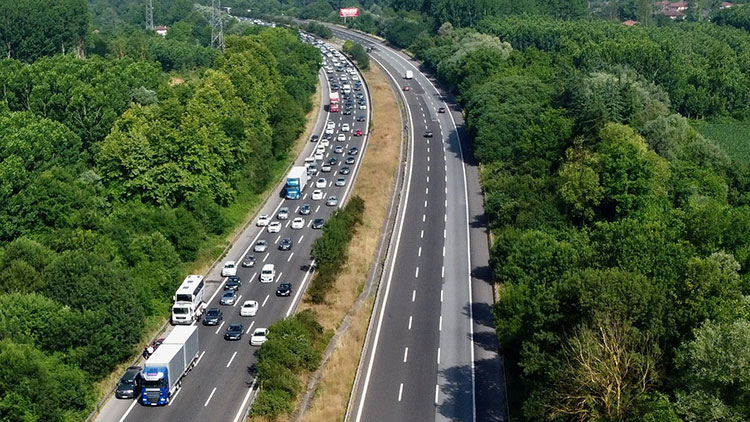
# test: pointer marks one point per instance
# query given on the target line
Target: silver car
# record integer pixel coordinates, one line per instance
(260, 246)
(229, 297)
(332, 201)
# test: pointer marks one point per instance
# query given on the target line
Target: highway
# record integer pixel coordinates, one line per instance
(219, 387)
(432, 350)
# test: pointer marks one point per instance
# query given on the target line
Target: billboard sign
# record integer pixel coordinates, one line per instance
(350, 12)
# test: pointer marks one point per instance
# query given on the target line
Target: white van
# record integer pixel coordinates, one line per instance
(346, 88)
(267, 274)
(409, 74)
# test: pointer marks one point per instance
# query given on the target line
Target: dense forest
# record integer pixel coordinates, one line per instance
(621, 236)
(115, 177)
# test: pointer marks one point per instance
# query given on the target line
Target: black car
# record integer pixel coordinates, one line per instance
(350, 160)
(285, 244)
(333, 160)
(344, 170)
(129, 386)
(233, 283)
(234, 332)
(347, 112)
(305, 209)
(361, 118)
(318, 223)
(314, 138)
(249, 261)
(213, 316)
(284, 289)
(428, 134)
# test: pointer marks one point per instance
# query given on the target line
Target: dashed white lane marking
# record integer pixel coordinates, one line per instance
(231, 359)
(309, 222)
(423, 217)
(277, 240)
(300, 238)
(317, 209)
(416, 273)
(419, 253)
(236, 301)
(409, 322)
(279, 277)
(428, 179)
(428, 168)
(250, 327)
(265, 300)
(406, 353)
(426, 191)
(254, 275)
(219, 327)
(290, 257)
(445, 218)
(266, 257)
(445, 232)
(209, 397)
(413, 295)
(425, 203)
(421, 234)
(443, 250)
(400, 391)
(428, 158)
(287, 224)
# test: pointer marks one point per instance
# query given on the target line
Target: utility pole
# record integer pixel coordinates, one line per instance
(217, 26)
(150, 15)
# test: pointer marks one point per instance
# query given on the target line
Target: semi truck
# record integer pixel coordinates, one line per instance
(164, 370)
(333, 107)
(295, 182)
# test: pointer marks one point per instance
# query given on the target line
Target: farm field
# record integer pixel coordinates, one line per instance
(734, 137)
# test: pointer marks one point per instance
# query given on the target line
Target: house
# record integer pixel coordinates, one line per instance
(161, 30)
(680, 6)
(725, 5)
(630, 23)
(673, 10)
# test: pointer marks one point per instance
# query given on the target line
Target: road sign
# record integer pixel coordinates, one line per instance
(349, 12)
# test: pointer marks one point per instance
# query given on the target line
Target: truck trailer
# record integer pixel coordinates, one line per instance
(170, 362)
(295, 182)
(333, 107)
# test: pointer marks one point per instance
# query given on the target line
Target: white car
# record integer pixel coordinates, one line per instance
(331, 125)
(320, 149)
(321, 183)
(260, 336)
(230, 268)
(345, 127)
(318, 155)
(363, 107)
(263, 220)
(329, 131)
(274, 227)
(341, 137)
(260, 246)
(324, 142)
(317, 195)
(283, 213)
(298, 223)
(249, 308)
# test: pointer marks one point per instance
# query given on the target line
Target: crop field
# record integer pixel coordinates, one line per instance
(734, 137)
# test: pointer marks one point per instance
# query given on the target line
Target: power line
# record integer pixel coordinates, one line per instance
(217, 26)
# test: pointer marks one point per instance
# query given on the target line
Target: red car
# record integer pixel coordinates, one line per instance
(441, 110)
(358, 132)
(406, 88)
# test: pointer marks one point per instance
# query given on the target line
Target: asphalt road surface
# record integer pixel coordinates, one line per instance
(219, 387)
(432, 352)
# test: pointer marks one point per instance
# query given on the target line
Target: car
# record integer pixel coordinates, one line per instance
(248, 262)
(350, 160)
(298, 223)
(345, 170)
(234, 283)
(284, 289)
(274, 227)
(317, 224)
(360, 96)
(363, 107)
(129, 386)
(341, 182)
(361, 101)
(324, 142)
(263, 220)
(332, 161)
(320, 149)
(312, 169)
(352, 151)
(260, 336)
(338, 149)
(249, 308)
(318, 156)
(358, 132)
(341, 137)
(329, 130)
(428, 134)
(330, 125)
(234, 332)
(317, 195)
(345, 127)
(332, 201)
(267, 273)
(441, 110)
(326, 168)
(213, 316)
(229, 297)
(321, 183)
(314, 138)
(305, 209)
(347, 112)
(286, 244)
(283, 213)
(361, 118)
(229, 269)
(260, 246)
(406, 88)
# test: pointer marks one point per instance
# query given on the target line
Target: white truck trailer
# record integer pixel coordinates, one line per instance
(170, 362)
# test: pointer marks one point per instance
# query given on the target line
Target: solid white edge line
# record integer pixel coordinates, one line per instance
(130, 409)
(244, 401)
(395, 254)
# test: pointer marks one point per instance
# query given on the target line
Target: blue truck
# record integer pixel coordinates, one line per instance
(295, 182)
(170, 362)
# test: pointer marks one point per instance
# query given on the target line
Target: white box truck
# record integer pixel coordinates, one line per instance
(170, 362)
(409, 74)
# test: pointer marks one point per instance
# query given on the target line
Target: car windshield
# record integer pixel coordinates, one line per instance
(228, 294)
(155, 384)
(180, 310)
(130, 381)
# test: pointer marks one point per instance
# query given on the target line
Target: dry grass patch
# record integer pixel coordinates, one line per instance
(374, 184)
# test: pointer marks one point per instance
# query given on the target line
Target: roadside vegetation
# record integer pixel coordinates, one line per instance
(116, 181)
(621, 234)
